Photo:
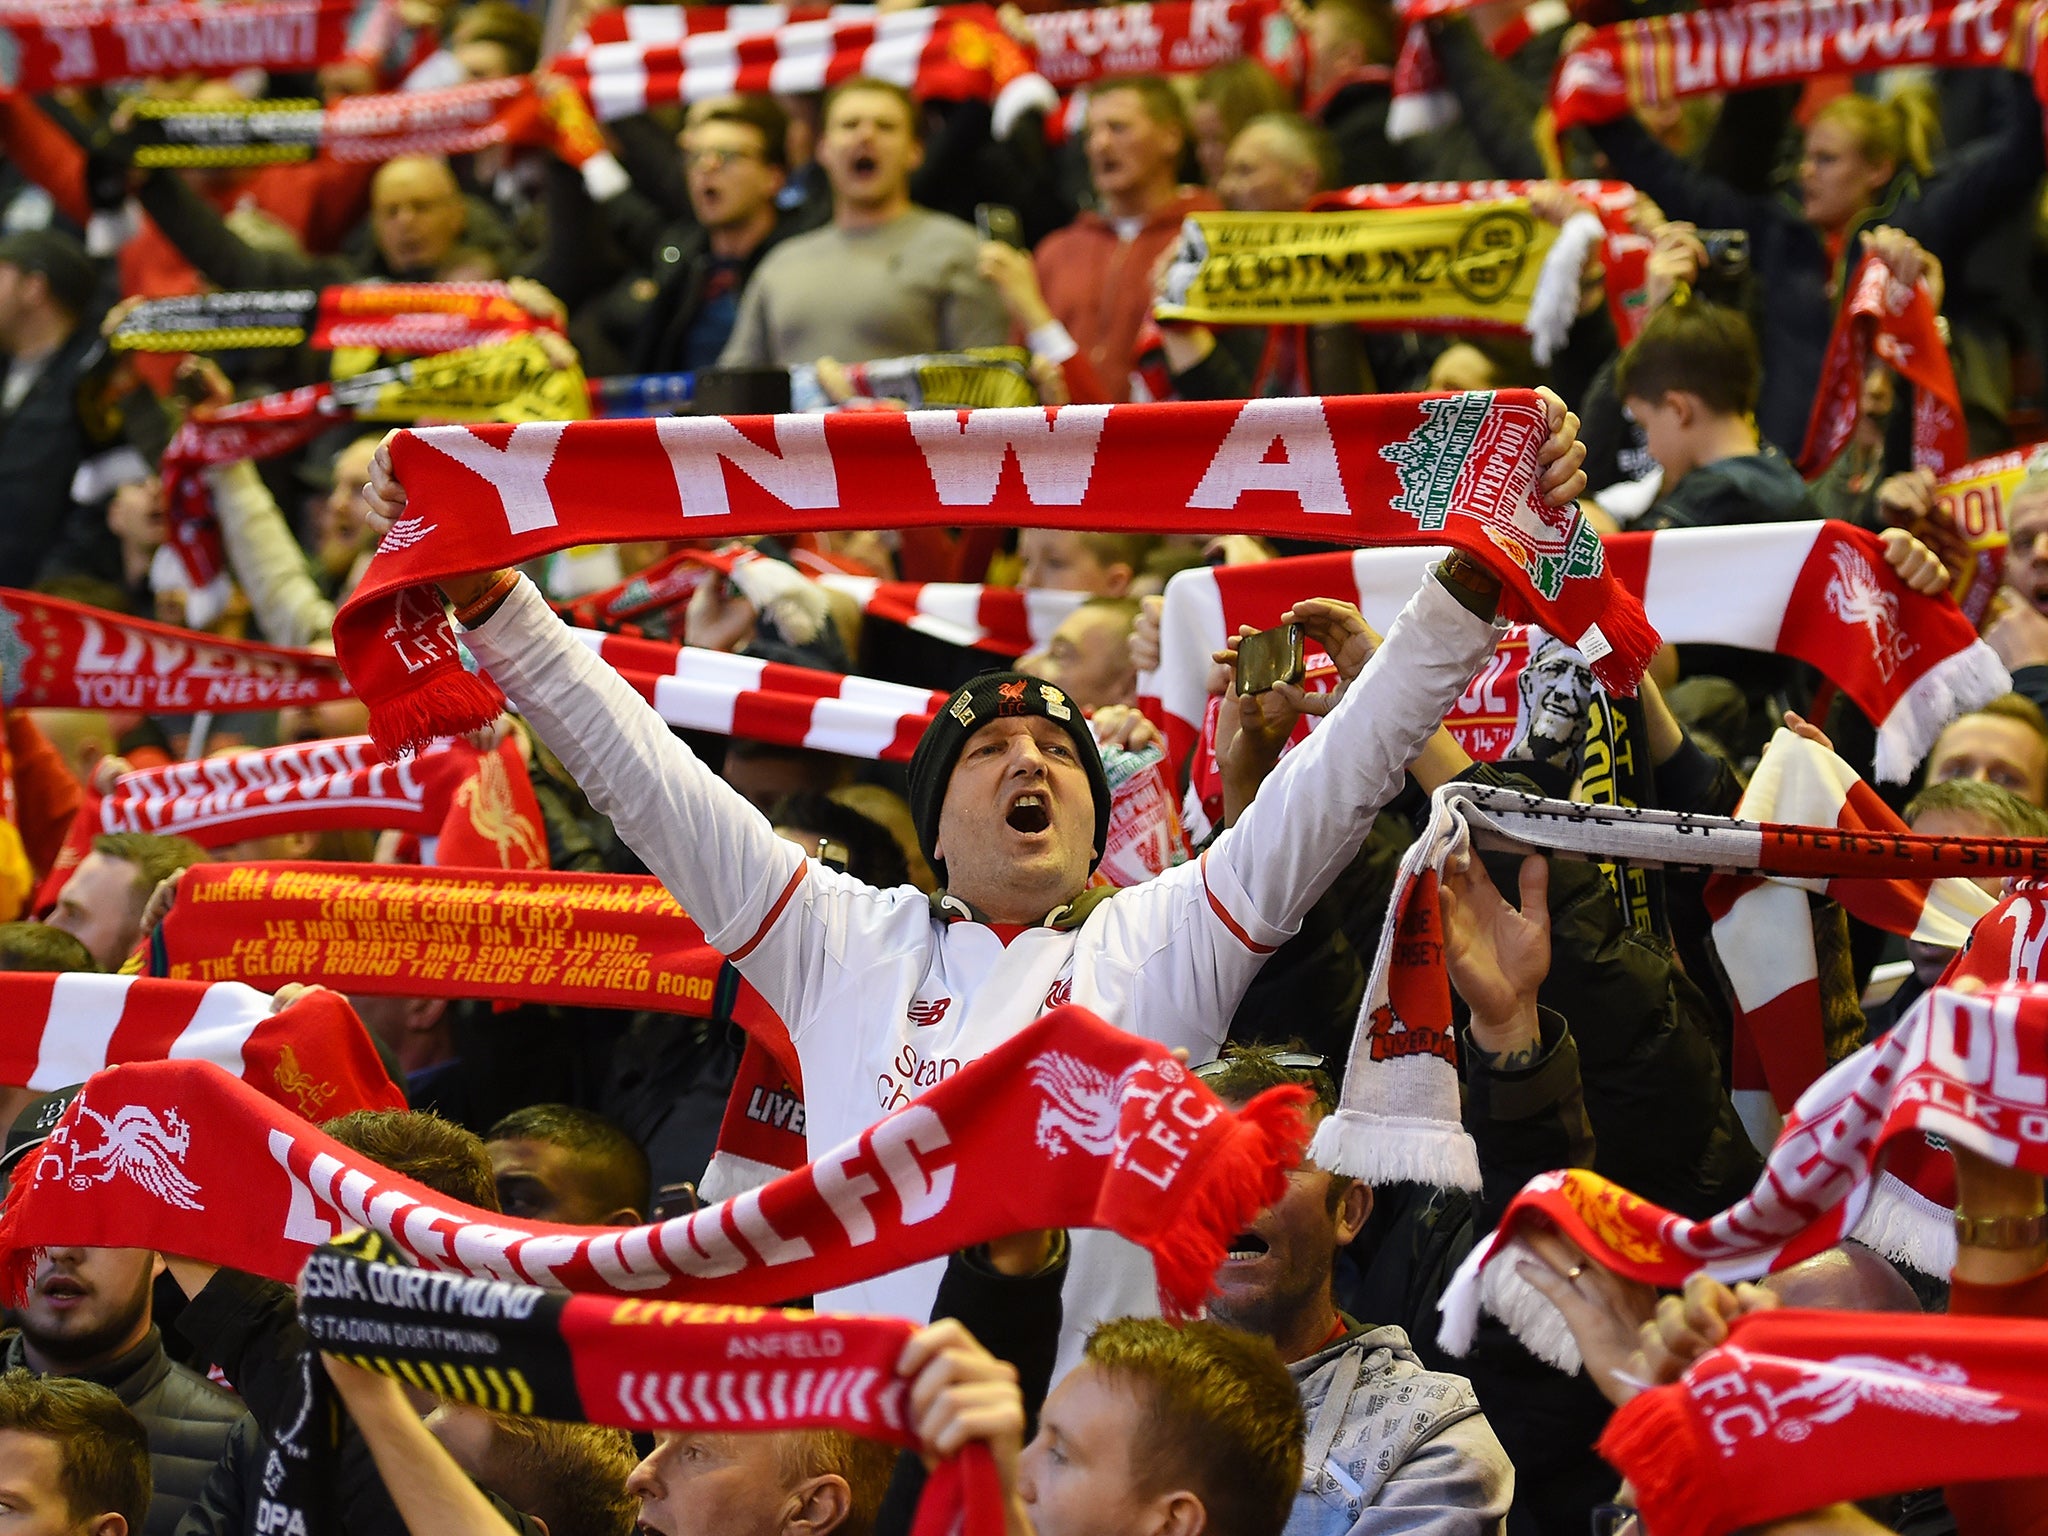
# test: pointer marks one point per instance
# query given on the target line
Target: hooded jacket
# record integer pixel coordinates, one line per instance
(1394, 1447)
(187, 1418)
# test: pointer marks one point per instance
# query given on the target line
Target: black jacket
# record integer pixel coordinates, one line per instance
(186, 1417)
(43, 440)
(250, 1329)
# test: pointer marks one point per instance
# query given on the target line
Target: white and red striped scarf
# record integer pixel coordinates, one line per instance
(1398, 1120)
(477, 807)
(1076, 48)
(313, 1057)
(1660, 59)
(1422, 103)
(1967, 1067)
(1817, 592)
(639, 57)
(1763, 932)
(53, 45)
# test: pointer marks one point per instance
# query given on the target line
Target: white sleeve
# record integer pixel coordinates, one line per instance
(716, 854)
(1194, 938)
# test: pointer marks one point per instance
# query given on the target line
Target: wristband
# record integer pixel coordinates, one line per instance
(2004, 1234)
(474, 612)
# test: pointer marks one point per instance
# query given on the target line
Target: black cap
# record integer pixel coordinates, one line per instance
(33, 1125)
(988, 697)
(60, 259)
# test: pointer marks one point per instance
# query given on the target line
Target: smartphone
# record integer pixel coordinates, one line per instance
(1272, 656)
(995, 222)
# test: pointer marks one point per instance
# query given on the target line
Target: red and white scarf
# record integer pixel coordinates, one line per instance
(1883, 317)
(1398, 1118)
(638, 57)
(1422, 103)
(476, 807)
(1971, 1068)
(1384, 469)
(53, 45)
(1763, 930)
(398, 317)
(1077, 48)
(1660, 59)
(62, 655)
(391, 930)
(1820, 593)
(1802, 1409)
(313, 1057)
(1070, 1123)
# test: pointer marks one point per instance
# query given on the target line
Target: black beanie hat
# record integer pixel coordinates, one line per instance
(973, 705)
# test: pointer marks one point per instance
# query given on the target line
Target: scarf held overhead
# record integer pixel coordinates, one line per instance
(399, 317)
(52, 45)
(1820, 593)
(61, 655)
(1885, 318)
(637, 1365)
(314, 1057)
(1069, 1123)
(1661, 59)
(1398, 1118)
(1971, 1068)
(1800, 1409)
(1391, 469)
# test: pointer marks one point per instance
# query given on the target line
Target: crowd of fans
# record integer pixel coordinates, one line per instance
(765, 246)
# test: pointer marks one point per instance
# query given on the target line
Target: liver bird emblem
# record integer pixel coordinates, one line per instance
(1082, 1103)
(295, 1080)
(1830, 1391)
(497, 817)
(1855, 596)
(141, 1147)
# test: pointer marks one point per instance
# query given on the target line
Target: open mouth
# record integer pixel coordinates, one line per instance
(1248, 1245)
(62, 1288)
(1028, 814)
(864, 165)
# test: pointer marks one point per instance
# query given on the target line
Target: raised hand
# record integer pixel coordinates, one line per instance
(1496, 956)
(1605, 1312)
(1562, 457)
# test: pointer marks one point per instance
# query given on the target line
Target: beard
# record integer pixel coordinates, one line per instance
(81, 1341)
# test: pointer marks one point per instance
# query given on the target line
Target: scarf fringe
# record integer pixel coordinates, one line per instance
(1626, 628)
(1652, 1436)
(1496, 1280)
(1906, 1227)
(452, 703)
(1412, 114)
(1243, 1177)
(1555, 304)
(1396, 1149)
(17, 1263)
(1953, 686)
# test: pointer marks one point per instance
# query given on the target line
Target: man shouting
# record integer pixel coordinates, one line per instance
(886, 993)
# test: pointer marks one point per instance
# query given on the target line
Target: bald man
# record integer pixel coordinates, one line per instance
(420, 222)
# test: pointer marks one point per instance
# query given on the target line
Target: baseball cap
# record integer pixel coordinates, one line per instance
(33, 1125)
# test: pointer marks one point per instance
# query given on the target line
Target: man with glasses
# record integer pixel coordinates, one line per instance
(1391, 1445)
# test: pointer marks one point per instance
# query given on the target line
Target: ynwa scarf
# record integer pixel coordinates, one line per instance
(637, 1365)
(1763, 929)
(60, 655)
(1486, 266)
(508, 380)
(52, 45)
(313, 1057)
(1971, 1068)
(1068, 1124)
(1800, 1409)
(1387, 469)
(1164, 37)
(1818, 592)
(638, 57)
(1398, 1120)
(397, 317)
(384, 930)
(477, 806)
(1885, 318)
(1660, 59)
(1624, 254)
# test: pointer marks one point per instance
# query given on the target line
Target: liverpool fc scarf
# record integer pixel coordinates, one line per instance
(1801, 1409)
(1884, 317)
(53, 45)
(1661, 59)
(1398, 1120)
(1818, 592)
(478, 807)
(1486, 266)
(1164, 37)
(1763, 931)
(1391, 469)
(398, 317)
(1070, 1123)
(640, 57)
(60, 655)
(638, 1365)
(1971, 1068)
(313, 1057)
(1422, 102)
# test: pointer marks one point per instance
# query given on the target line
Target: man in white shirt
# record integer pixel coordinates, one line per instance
(886, 993)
